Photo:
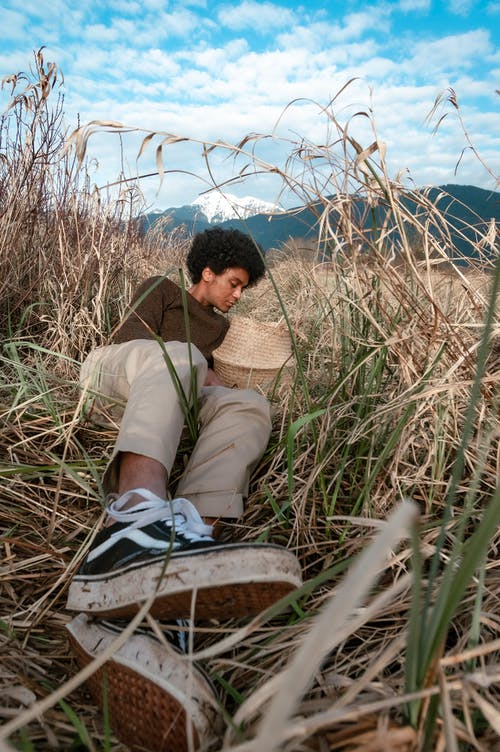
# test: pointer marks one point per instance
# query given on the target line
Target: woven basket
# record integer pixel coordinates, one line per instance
(253, 353)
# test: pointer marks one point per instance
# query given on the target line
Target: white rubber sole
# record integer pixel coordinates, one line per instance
(231, 581)
(152, 695)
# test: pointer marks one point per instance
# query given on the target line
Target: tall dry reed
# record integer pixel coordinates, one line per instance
(395, 395)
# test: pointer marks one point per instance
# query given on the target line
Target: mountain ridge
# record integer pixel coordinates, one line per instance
(469, 210)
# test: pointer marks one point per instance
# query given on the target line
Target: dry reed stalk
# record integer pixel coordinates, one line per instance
(387, 340)
(24, 495)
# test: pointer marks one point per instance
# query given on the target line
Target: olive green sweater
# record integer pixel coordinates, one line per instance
(157, 310)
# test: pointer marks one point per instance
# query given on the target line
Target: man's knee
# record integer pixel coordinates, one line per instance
(241, 402)
(255, 402)
(158, 354)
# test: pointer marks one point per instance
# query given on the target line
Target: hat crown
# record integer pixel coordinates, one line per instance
(252, 352)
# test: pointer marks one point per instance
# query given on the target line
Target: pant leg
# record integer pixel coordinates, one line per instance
(235, 425)
(136, 377)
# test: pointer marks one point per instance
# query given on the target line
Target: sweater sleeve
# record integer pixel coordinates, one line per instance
(146, 312)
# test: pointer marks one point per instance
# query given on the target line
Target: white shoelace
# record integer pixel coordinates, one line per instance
(153, 509)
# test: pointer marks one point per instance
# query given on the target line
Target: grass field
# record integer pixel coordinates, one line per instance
(393, 643)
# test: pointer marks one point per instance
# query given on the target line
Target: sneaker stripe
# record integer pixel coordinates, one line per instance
(150, 528)
(155, 536)
(139, 537)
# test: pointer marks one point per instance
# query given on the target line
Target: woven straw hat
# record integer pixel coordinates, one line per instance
(253, 353)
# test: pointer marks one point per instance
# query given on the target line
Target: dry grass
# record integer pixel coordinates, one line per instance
(387, 357)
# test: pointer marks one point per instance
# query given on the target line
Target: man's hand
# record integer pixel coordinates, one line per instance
(212, 379)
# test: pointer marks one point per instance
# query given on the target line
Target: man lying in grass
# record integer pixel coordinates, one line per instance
(157, 372)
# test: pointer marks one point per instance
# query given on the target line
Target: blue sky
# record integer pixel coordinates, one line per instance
(219, 71)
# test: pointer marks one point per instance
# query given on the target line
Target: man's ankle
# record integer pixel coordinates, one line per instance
(131, 502)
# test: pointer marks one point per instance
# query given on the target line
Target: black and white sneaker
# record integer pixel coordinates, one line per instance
(156, 699)
(152, 527)
(176, 636)
(163, 549)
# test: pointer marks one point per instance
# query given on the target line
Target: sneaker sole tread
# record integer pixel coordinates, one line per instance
(150, 693)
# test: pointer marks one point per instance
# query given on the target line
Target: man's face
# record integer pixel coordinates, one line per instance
(222, 291)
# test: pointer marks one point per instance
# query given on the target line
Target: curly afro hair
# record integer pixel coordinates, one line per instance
(221, 249)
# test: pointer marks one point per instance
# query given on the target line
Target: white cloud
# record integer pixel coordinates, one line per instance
(274, 78)
(316, 36)
(153, 5)
(153, 63)
(469, 88)
(375, 69)
(13, 25)
(127, 7)
(409, 5)
(123, 72)
(215, 58)
(95, 61)
(461, 7)
(450, 53)
(98, 33)
(264, 17)
(145, 31)
(323, 35)
(356, 24)
(34, 9)
(179, 23)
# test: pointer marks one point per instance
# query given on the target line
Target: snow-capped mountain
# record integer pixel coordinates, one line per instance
(218, 207)
(302, 222)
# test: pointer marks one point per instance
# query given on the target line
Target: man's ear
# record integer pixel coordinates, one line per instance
(207, 274)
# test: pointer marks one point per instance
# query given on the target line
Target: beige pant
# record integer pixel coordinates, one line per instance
(131, 383)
